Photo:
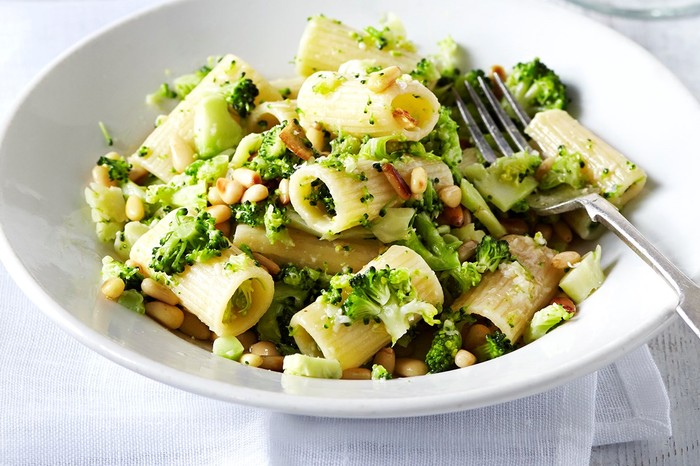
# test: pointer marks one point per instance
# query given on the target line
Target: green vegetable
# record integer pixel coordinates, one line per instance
(131, 276)
(208, 170)
(228, 347)
(536, 87)
(190, 239)
(472, 200)
(566, 169)
(107, 207)
(273, 159)
(126, 238)
(118, 169)
(105, 133)
(496, 345)
(379, 372)
(267, 213)
(395, 225)
(584, 278)
(461, 279)
(490, 253)
(162, 93)
(241, 96)
(309, 366)
(185, 83)
(214, 128)
(429, 203)
(132, 300)
(425, 239)
(545, 320)
(446, 342)
(443, 141)
(425, 72)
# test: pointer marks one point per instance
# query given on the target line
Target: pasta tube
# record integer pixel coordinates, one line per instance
(511, 295)
(357, 197)
(367, 105)
(327, 43)
(155, 154)
(309, 251)
(352, 345)
(228, 293)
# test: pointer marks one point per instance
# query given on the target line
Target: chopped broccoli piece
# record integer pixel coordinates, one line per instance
(446, 342)
(425, 72)
(208, 170)
(386, 295)
(566, 169)
(183, 85)
(242, 96)
(496, 345)
(545, 320)
(107, 207)
(425, 239)
(390, 148)
(379, 372)
(162, 93)
(125, 239)
(585, 277)
(472, 200)
(490, 253)
(536, 87)
(214, 128)
(394, 225)
(228, 347)
(428, 203)
(320, 194)
(443, 141)
(131, 276)
(273, 160)
(118, 168)
(309, 366)
(266, 213)
(105, 133)
(461, 279)
(132, 300)
(190, 239)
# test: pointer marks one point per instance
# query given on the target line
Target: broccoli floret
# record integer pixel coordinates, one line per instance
(446, 342)
(386, 295)
(132, 300)
(536, 87)
(566, 169)
(273, 159)
(131, 276)
(107, 208)
(474, 201)
(496, 345)
(162, 93)
(545, 320)
(345, 144)
(429, 202)
(118, 168)
(215, 130)
(242, 96)
(425, 72)
(265, 213)
(320, 194)
(390, 148)
(425, 239)
(443, 141)
(208, 170)
(490, 253)
(461, 279)
(379, 372)
(184, 84)
(190, 239)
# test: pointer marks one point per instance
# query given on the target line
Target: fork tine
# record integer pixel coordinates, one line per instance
(503, 117)
(481, 144)
(517, 108)
(501, 142)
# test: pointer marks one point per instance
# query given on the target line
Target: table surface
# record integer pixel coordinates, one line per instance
(676, 350)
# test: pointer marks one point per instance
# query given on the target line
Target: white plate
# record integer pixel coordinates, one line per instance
(52, 142)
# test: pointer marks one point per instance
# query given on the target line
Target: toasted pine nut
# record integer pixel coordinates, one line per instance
(466, 250)
(220, 213)
(224, 227)
(284, 191)
(250, 359)
(273, 363)
(255, 193)
(269, 264)
(158, 291)
(563, 232)
(453, 216)
(382, 79)
(113, 288)
(419, 180)
(387, 358)
(515, 226)
(169, 316)
(264, 348)
(464, 358)
(134, 208)
(404, 119)
(467, 216)
(181, 153)
(396, 181)
(451, 196)
(565, 259)
(213, 196)
(545, 230)
(246, 177)
(357, 373)
(474, 336)
(544, 167)
(230, 191)
(192, 326)
(565, 302)
(100, 175)
(247, 339)
(137, 172)
(409, 367)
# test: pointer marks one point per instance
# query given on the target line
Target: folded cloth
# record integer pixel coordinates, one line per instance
(63, 404)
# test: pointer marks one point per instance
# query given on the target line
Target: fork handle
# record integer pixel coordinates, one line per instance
(600, 210)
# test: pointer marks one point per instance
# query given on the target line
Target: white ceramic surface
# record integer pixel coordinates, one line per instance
(52, 141)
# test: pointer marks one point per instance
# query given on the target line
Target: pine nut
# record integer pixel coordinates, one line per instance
(409, 367)
(255, 193)
(195, 328)
(224, 228)
(230, 191)
(133, 263)
(475, 336)
(253, 360)
(167, 315)
(464, 358)
(386, 357)
(246, 177)
(545, 230)
(565, 259)
(565, 302)
(467, 216)
(113, 288)
(220, 213)
(273, 363)
(563, 232)
(544, 167)
(213, 196)
(181, 153)
(357, 373)
(100, 175)
(247, 339)
(515, 226)
(137, 172)
(159, 291)
(404, 119)
(453, 216)
(466, 250)
(134, 208)
(383, 79)
(419, 180)
(451, 196)
(269, 264)
(264, 348)
(284, 191)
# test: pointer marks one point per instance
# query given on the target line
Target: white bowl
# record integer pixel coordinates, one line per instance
(51, 143)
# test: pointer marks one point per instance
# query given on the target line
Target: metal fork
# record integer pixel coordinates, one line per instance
(597, 207)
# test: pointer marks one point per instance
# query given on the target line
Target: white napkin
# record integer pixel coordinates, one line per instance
(64, 404)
